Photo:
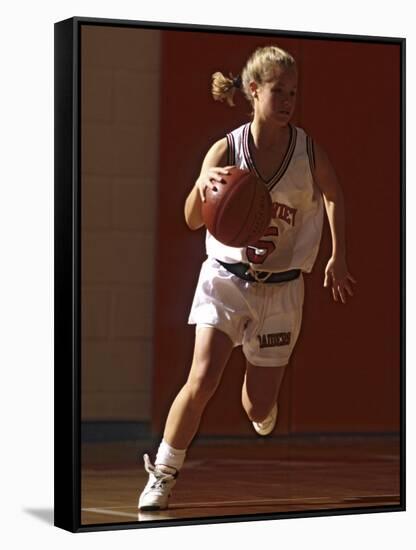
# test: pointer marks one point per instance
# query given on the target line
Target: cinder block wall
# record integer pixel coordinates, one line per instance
(120, 139)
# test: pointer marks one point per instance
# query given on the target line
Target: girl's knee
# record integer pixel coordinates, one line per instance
(201, 386)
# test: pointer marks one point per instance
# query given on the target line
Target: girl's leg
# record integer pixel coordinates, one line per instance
(261, 390)
(211, 353)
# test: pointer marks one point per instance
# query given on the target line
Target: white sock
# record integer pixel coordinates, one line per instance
(168, 456)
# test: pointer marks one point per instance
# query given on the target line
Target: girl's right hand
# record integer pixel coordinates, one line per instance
(211, 178)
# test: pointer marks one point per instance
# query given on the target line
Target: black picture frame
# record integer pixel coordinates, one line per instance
(67, 295)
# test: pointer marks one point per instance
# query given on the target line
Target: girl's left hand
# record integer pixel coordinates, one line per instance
(337, 276)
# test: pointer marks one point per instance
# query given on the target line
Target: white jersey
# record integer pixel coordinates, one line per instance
(293, 237)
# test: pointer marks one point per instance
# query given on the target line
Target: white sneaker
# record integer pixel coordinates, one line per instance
(157, 491)
(268, 424)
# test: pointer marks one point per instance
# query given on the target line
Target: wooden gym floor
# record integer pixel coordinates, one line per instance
(229, 477)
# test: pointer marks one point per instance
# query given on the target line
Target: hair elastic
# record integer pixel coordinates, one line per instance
(237, 81)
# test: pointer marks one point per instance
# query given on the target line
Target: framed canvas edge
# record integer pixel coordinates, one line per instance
(67, 507)
(403, 275)
(191, 27)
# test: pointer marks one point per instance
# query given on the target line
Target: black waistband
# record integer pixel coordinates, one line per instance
(241, 271)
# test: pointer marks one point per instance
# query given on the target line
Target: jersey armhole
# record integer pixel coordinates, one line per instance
(230, 150)
(311, 153)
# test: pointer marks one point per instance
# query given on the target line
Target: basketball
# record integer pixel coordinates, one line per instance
(238, 212)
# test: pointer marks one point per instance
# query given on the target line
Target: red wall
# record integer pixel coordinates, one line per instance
(344, 375)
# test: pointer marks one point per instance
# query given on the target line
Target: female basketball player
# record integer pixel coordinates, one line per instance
(253, 296)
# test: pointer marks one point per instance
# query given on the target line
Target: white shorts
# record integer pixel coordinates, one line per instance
(264, 318)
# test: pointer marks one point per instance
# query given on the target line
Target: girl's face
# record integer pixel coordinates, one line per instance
(275, 99)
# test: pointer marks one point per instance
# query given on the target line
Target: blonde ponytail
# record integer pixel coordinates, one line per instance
(260, 67)
(223, 88)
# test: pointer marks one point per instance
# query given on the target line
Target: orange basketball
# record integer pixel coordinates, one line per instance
(238, 212)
